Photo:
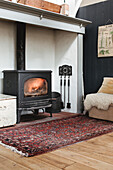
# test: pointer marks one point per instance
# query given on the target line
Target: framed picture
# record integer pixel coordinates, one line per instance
(105, 41)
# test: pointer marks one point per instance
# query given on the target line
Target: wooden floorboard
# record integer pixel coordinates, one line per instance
(54, 160)
(82, 159)
(78, 166)
(96, 153)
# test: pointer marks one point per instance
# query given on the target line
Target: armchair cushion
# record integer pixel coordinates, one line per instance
(107, 86)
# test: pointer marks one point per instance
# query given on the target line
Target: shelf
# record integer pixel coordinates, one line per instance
(22, 13)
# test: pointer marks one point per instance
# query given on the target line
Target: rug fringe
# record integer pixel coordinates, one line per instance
(14, 149)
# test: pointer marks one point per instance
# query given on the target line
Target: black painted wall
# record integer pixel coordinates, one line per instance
(95, 68)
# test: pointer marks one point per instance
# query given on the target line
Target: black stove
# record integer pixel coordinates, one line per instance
(32, 88)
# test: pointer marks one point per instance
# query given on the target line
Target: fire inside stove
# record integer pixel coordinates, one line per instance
(35, 87)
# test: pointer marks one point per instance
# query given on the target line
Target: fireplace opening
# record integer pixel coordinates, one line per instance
(32, 87)
(35, 87)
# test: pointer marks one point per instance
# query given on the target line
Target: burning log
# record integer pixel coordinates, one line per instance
(35, 87)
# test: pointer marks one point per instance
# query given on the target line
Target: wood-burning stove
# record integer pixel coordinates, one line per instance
(32, 88)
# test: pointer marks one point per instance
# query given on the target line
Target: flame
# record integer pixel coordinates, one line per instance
(34, 85)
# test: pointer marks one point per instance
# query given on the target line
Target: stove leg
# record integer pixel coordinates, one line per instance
(36, 111)
(50, 114)
(18, 116)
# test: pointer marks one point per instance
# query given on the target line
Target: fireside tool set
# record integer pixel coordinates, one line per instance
(65, 71)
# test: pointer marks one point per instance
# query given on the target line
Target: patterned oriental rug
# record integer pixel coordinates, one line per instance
(40, 138)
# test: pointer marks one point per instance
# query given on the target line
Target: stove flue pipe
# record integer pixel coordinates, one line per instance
(20, 51)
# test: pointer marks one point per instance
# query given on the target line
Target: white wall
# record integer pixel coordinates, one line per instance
(40, 49)
(48, 49)
(66, 53)
(7, 48)
(90, 2)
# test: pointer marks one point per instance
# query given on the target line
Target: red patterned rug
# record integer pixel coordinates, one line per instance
(43, 137)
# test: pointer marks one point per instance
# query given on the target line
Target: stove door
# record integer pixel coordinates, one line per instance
(35, 87)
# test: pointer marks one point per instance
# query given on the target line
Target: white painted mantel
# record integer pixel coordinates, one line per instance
(30, 15)
(51, 40)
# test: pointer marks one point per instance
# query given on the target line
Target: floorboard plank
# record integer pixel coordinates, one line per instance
(9, 164)
(93, 163)
(78, 166)
(93, 153)
(55, 160)
(41, 165)
(30, 162)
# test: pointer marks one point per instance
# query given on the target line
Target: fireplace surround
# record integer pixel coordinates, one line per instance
(62, 30)
(32, 88)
